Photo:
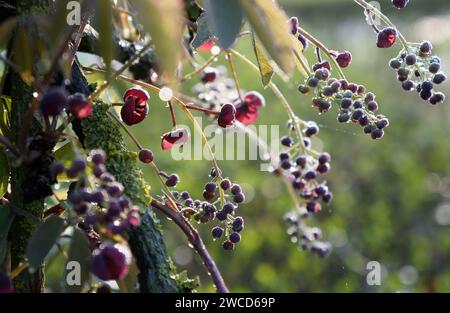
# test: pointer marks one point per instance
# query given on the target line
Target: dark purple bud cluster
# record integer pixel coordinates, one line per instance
(418, 69)
(354, 102)
(98, 200)
(221, 199)
(55, 100)
(304, 169)
(307, 238)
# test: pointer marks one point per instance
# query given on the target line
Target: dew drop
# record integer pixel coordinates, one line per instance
(215, 50)
(166, 94)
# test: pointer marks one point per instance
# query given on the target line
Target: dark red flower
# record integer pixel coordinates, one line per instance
(135, 106)
(110, 262)
(178, 136)
(227, 115)
(344, 59)
(209, 75)
(386, 37)
(247, 112)
(79, 106)
(206, 47)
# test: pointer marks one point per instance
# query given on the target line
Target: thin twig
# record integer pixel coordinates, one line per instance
(197, 108)
(323, 48)
(127, 131)
(234, 74)
(172, 114)
(293, 117)
(196, 241)
(199, 69)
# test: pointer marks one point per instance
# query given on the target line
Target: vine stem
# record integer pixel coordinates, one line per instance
(323, 48)
(200, 68)
(302, 63)
(234, 74)
(172, 114)
(384, 18)
(127, 131)
(196, 242)
(196, 108)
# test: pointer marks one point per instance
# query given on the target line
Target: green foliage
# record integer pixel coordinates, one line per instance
(43, 239)
(225, 19)
(203, 34)
(105, 30)
(4, 172)
(264, 66)
(164, 21)
(80, 252)
(269, 23)
(6, 219)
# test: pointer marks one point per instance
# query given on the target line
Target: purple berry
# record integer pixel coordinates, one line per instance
(109, 263)
(217, 232)
(235, 237)
(228, 245)
(53, 102)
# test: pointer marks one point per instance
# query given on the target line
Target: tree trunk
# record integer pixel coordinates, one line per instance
(24, 195)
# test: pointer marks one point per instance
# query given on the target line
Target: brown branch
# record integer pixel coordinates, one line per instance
(194, 238)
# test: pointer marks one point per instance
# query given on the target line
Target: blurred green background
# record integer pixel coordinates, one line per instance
(391, 197)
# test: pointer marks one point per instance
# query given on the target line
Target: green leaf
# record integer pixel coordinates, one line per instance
(105, 30)
(265, 69)
(4, 173)
(43, 239)
(80, 252)
(225, 18)
(203, 34)
(5, 107)
(23, 54)
(6, 30)
(270, 24)
(164, 20)
(193, 10)
(6, 219)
